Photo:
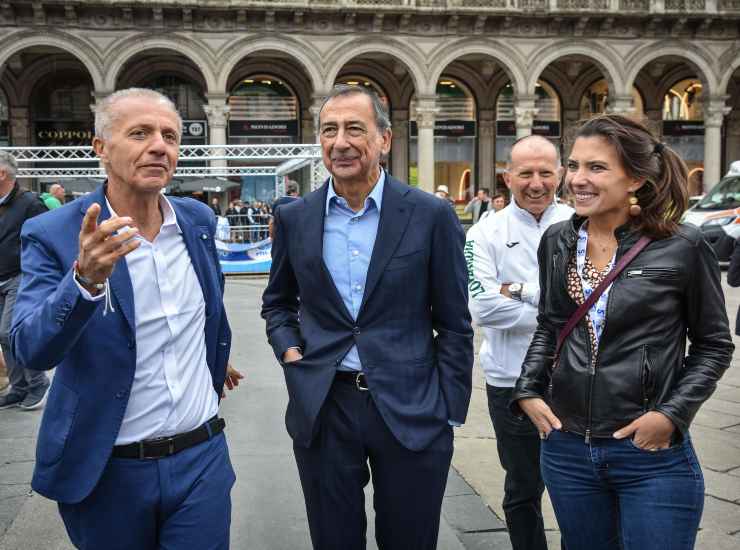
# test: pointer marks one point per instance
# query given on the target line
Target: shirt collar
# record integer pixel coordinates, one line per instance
(527, 216)
(168, 213)
(376, 195)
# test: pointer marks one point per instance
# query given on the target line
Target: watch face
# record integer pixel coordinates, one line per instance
(515, 287)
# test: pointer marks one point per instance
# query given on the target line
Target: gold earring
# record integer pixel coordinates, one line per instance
(635, 209)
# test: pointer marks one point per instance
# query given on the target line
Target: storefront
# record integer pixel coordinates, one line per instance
(683, 128)
(455, 140)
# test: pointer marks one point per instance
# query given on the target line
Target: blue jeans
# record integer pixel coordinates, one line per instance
(611, 495)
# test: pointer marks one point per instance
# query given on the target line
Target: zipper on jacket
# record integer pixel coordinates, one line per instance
(657, 272)
(645, 380)
(594, 362)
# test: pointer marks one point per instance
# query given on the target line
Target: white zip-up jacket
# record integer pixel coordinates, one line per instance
(501, 249)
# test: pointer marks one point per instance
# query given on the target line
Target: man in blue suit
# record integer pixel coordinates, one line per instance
(366, 313)
(122, 291)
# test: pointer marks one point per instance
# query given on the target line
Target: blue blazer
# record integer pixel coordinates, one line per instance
(95, 355)
(416, 287)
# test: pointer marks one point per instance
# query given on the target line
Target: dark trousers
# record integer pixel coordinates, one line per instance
(181, 501)
(408, 486)
(611, 495)
(518, 445)
(22, 381)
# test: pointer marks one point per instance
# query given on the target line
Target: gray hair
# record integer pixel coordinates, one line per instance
(9, 164)
(382, 120)
(535, 138)
(106, 114)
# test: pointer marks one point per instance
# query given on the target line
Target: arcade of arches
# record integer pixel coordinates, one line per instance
(454, 117)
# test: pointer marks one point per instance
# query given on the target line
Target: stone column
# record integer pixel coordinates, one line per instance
(486, 149)
(525, 112)
(620, 105)
(715, 110)
(217, 112)
(20, 126)
(732, 136)
(400, 144)
(315, 109)
(568, 130)
(654, 121)
(426, 112)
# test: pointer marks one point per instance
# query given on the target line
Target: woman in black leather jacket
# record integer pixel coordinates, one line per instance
(615, 408)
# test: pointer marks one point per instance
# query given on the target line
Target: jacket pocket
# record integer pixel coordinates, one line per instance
(56, 423)
(653, 273)
(646, 379)
(404, 260)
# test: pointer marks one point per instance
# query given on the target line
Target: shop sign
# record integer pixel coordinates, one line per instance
(263, 128)
(547, 128)
(683, 127)
(194, 130)
(63, 133)
(448, 128)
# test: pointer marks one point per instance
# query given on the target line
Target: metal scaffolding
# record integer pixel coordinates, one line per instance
(218, 161)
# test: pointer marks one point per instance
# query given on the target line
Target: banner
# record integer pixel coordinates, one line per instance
(546, 128)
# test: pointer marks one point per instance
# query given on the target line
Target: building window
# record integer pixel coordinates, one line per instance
(263, 109)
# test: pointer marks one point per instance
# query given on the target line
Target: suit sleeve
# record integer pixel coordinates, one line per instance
(224, 329)
(488, 306)
(50, 313)
(280, 299)
(450, 315)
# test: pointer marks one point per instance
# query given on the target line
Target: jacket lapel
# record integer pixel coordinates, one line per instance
(192, 234)
(120, 280)
(395, 214)
(313, 230)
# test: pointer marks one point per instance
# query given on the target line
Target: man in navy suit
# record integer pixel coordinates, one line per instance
(122, 291)
(366, 313)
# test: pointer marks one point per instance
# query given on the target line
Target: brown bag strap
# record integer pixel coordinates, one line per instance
(586, 306)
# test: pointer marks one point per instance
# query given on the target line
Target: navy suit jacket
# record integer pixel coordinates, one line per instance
(416, 287)
(95, 355)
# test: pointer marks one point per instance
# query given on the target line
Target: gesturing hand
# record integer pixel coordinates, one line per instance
(651, 431)
(541, 415)
(100, 249)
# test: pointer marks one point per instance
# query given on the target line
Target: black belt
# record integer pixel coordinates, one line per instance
(166, 446)
(357, 379)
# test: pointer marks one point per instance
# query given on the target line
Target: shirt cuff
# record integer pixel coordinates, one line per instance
(454, 423)
(86, 294)
(531, 293)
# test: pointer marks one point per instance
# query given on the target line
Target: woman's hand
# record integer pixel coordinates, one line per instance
(541, 415)
(651, 431)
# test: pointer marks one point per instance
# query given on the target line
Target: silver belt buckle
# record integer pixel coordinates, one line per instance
(357, 381)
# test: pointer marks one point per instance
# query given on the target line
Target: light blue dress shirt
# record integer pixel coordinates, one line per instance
(349, 238)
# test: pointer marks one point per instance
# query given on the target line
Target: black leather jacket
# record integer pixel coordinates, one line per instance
(671, 290)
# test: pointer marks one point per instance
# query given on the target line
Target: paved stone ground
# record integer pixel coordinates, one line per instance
(268, 511)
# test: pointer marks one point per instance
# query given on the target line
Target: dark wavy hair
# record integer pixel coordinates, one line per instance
(664, 196)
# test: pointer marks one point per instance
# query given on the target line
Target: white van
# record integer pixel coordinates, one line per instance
(718, 214)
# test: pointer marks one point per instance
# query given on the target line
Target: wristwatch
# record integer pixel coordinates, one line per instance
(515, 289)
(84, 281)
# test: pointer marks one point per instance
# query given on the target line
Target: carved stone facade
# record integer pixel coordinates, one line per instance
(406, 47)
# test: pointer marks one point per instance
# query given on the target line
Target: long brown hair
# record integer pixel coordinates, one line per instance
(664, 196)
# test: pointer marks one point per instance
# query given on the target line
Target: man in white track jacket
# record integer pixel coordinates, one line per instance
(503, 289)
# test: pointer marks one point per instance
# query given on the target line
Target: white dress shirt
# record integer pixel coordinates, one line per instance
(172, 390)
